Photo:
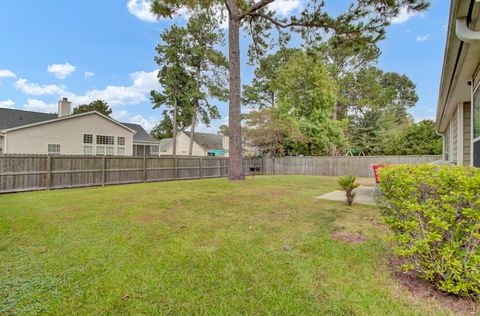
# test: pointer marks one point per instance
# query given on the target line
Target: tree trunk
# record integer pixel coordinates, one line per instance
(192, 129)
(175, 121)
(235, 170)
(333, 150)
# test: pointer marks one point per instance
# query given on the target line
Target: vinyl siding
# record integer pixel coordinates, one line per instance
(454, 136)
(446, 144)
(68, 134)
(467, 132)
(183, 143)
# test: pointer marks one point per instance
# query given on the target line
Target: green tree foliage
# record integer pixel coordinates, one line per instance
(362, 22)
(261, 93)
(436, 222)
(164, 129)
(174, 78)
(208, 67)
(223, 130)
(272, 135)
(377, 105)
(97, 105)
(307, 94)
(416, 139)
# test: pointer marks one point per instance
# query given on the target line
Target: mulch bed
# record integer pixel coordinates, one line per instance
(421, 289)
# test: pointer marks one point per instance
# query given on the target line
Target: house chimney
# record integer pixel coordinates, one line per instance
(64, 107)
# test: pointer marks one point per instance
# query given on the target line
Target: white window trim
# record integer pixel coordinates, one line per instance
(475, 88)
(474, 91)
(59, 147)
(88, 145)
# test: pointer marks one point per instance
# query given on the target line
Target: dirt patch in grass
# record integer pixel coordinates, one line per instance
(423, 290)
(351, 238)
(278, 193)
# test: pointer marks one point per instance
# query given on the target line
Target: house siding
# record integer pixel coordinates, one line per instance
(454, 137)
(446, 144)
(467, 133)
(68, 134)
(183, 143)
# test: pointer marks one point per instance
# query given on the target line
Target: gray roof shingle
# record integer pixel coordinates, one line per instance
(141, 135)
(10, 118)
(208, 141)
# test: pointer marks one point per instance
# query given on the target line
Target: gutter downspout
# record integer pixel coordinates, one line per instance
(464, 33)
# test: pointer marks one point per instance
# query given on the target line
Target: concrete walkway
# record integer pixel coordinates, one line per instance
(364, 196)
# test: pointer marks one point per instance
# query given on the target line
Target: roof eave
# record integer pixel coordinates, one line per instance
(66, 118)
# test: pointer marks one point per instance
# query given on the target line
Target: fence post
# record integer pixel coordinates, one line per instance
(221, 167)
(104, 174)
(144, 169)
(201, 167)
(175, 167)
(49, 172)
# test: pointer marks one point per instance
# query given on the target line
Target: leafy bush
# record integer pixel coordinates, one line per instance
(434, 212)
(348, 184)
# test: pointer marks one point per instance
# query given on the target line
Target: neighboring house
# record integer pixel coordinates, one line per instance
(92, 133)
(143, 143)
(458, 109)
(204, 144)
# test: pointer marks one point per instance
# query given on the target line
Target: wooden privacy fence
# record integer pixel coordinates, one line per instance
(338, 166)
(27, 173)
(35, 172)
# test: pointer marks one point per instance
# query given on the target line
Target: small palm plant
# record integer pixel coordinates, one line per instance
(348, 184)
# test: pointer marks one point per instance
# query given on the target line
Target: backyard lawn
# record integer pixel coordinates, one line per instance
(196, 247)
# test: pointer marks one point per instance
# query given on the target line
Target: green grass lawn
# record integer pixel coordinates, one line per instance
(196, 247)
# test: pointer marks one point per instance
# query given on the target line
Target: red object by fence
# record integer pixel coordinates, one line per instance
(375, 171)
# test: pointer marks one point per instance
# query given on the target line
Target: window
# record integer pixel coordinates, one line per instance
(154, 150)
(88, 150)
(53, 149)
(476, 114)
(105, 140)
(100, 150)
(121, 141)
(87, 138)
(121, 151)
(109, 151)
(211, 154)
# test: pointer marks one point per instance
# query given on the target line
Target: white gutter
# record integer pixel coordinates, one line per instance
(464, 33)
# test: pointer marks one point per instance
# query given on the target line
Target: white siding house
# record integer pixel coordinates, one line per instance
(458, 109)
(92, 133)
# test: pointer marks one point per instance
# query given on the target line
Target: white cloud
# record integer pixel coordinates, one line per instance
(88, 74)
(403, 16)
(9, 104)
(35, 89)
(5, 73)
(40, 106)
(141, 9)
(61, 71)
(142, 83)
(138, 91)
(148, 123)
(423, 38)
(285, 7)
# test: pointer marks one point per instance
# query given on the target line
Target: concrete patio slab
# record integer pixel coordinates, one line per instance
(364, 196)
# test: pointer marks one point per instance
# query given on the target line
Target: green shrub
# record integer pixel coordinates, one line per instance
(348, 184)
(434, 212)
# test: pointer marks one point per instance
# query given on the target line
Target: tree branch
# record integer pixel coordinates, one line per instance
(293, 24)
(257, 6)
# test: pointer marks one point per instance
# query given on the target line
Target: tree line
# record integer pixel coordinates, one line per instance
(307, 101)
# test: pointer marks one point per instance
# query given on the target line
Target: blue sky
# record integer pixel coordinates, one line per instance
(87, 50)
